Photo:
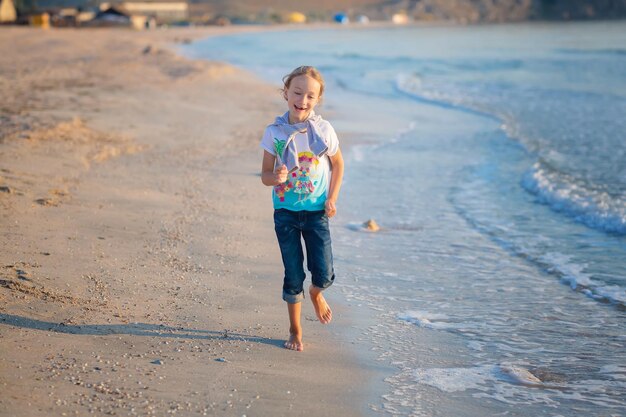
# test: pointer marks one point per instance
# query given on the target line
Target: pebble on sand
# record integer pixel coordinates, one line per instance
(371, 225)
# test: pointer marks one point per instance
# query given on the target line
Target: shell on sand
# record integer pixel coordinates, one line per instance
(371, 225)
(520, 375)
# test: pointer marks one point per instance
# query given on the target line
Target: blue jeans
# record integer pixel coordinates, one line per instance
(291, 227)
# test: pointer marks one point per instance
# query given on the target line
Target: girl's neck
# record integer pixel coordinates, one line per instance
(292, 121)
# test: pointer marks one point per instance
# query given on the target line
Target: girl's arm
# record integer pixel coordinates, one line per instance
(335, 183)
(269, 176)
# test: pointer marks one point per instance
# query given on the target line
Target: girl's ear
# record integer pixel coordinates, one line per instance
(285, 94)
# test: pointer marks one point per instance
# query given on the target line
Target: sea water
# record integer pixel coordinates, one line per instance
(494, 160)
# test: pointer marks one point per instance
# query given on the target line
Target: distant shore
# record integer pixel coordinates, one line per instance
(283, 11)
(139, 267)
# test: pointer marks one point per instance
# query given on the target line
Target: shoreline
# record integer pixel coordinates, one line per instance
(139, 271)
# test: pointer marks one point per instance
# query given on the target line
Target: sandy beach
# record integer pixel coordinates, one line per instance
(139, 269)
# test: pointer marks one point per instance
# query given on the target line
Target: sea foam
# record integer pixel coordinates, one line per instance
(597, 209)
(477, 377)
(574, 275)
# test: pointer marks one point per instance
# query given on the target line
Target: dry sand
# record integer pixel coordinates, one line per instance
(139, 273)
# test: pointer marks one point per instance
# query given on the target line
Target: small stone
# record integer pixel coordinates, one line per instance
(157, 362)
(371, 225)
(46, 202)
(221, 360)
(23, 275)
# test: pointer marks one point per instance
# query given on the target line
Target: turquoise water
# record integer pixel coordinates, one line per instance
(493, 158)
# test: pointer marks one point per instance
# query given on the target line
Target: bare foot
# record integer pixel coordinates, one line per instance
(322, 309)
(295, 342)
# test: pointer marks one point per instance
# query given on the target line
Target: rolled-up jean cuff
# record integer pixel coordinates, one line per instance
(325, 283)
(293, 298)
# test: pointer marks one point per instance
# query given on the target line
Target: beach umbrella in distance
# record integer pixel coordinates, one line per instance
(342, 18)
(7, 11)
(296, 17)
(400, 18)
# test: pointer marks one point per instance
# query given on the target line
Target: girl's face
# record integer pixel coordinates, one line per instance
(302, 96)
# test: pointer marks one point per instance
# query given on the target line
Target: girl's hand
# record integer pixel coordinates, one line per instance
(280, 174)
(331, 210)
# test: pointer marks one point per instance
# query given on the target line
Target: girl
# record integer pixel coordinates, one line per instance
(300, 149)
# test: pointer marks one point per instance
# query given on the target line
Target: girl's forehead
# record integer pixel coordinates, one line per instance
(305, 82)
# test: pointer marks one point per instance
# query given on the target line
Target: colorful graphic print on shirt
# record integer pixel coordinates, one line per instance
(279, 146)
(303, 180)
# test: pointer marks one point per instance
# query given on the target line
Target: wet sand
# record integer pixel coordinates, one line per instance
(139, 273)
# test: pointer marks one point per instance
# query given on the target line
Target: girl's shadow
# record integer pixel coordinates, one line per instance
(135, 329)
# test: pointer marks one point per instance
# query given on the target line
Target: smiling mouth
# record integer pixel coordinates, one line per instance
(300, 108)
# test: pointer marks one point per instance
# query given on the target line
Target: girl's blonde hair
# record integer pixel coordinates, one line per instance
(304, 70)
